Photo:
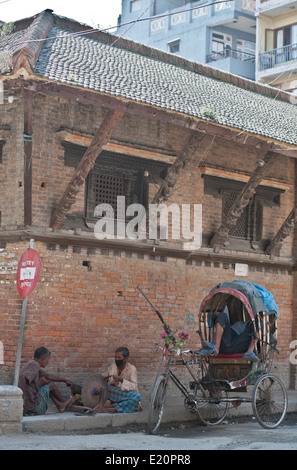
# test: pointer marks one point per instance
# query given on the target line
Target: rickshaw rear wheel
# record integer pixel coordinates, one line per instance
(269, 401)
(157, 403)
(212, 406)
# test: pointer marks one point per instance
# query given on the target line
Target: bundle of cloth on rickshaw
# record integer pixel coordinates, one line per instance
(257, 296)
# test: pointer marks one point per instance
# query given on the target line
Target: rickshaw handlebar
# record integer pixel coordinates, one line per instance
(182, 352)
(166, 327)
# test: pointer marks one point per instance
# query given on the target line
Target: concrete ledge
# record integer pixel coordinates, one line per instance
(173, 413)
(11, 409)
(69, 421)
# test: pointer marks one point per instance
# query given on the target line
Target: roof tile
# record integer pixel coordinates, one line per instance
(144, 75)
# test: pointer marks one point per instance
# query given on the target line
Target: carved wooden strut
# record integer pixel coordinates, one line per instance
(221, 236)
(175, 171)
(285, 230)
(101, 138)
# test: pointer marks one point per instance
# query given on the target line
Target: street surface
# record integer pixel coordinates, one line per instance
(245, 434)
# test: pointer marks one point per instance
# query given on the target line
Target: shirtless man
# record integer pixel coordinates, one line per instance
(38, 386)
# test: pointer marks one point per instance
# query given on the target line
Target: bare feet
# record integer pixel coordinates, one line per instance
(106, 408)
(67, 404)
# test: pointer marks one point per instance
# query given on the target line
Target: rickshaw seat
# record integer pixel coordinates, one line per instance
(229, 356)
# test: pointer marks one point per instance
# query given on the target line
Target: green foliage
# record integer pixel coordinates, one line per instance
(7, 29)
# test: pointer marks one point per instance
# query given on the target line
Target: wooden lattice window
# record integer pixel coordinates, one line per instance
(105, 185)
(249, 224)
(248, 231)
(116, 175)
(106, 188)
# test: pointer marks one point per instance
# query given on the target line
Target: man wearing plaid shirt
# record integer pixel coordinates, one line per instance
(123, 395)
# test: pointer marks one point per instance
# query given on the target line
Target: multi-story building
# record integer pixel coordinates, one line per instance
(221, 34)
(277, 43)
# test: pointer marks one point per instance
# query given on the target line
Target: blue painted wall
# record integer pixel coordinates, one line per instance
(193, 29)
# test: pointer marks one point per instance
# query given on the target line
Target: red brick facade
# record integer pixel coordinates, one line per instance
(83, 311)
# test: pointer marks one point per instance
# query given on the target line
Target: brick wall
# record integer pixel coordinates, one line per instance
(83, 312)
(12, 167)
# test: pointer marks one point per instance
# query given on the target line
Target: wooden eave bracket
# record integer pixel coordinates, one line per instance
(285, 230)
(175, 171)
(100, 139)
(220, 238)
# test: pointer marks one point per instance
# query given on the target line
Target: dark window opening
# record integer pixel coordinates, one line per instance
(174, 46)
(250, 224)
(114, 175)
(248, 231)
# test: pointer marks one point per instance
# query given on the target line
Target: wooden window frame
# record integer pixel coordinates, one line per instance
(223, 188)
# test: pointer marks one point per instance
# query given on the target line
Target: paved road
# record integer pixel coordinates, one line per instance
(229, 436)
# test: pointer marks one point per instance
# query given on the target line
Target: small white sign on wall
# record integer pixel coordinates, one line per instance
(241, 269)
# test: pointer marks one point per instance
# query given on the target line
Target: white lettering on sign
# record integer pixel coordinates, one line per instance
(28, 263)
(26, 284)
(241, 269)
(27, 273)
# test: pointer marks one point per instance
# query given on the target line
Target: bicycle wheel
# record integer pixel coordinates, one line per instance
(212, 406)
(269, 401)
(157, 403)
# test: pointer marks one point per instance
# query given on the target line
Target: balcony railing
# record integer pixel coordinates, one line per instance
(228, 52)
(275, 57)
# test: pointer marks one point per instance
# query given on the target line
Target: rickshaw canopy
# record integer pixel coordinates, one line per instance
(254, 298)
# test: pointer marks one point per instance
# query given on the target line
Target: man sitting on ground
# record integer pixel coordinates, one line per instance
(231, 339)
(123, 395)
(38, 386)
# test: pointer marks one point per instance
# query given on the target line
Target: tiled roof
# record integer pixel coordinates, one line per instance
(152, 77)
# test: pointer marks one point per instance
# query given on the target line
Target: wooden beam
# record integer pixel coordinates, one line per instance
(117, 147)
(28, 147)
(158, 114)
(175, 171)
(285, 230)
(101, 138)
(230, 219)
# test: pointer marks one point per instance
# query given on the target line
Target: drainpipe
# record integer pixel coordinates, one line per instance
(28, 147)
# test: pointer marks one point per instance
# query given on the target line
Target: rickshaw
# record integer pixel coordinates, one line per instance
(218, 379)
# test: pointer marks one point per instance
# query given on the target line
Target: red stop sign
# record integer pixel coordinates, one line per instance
(28, 272)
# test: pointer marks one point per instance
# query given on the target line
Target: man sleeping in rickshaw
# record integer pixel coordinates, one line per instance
(238, 338)
(232, 335)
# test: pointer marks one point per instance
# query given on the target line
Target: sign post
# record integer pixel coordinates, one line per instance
(27, 278)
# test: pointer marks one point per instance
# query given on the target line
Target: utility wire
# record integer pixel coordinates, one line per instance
(93, 31)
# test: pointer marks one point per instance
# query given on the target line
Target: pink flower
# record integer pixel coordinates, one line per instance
(183, 336)
(163, 334)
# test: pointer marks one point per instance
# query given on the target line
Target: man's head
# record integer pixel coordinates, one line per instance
(42, 356)
(121, 356)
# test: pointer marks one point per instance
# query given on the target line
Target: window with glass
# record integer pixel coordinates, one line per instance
(246, 47)
(135, 5)
(285, 41)
(220, 43)
(285, 36)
